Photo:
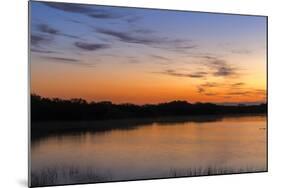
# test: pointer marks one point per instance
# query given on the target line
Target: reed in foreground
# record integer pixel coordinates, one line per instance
(73, 175)
(67, 175)
(200, 171)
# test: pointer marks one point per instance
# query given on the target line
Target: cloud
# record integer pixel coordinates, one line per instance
(200, 90)
(248, 92)
(207, 86)
(208, 57)
(136, 36)
(64, 60)
(210, 94)
(129, 38)
(103, 15)
(199, 74)
(220, 67)
(42, 51)
(47, 29)
(224, 71)
(171, 72)
(69, 7)
(239, 93)
(90, 46)
(160, 57)
(75, 21)
(84, 10)
(61, 59)
(45, 35)
(133, 19)
(260, 91)
(44, 28)
(143, 31)
(37, 40)
(229, 89)
(146, 38)
(210, 84)
(238, 84)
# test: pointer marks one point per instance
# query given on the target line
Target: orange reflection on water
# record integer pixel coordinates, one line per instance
(152, 150)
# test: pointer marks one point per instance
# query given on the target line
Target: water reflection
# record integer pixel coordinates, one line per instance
(153, 148)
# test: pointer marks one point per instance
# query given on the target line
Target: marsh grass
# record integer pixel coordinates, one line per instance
(212, 170)
(67, 175)
(73, 175)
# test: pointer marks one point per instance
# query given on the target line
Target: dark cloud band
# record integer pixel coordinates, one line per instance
(90, 46)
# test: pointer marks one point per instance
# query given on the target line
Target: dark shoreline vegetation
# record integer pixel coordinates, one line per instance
(46, 109)
(58, 116)
(70, 175)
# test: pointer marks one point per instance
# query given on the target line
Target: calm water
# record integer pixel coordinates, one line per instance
(152, 150)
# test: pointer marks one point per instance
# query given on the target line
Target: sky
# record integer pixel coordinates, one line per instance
(131, 55)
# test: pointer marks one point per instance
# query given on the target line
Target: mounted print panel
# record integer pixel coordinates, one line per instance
(119, 94)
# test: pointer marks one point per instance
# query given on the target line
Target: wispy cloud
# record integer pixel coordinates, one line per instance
(220, 67)
(47, 29)
(206, 57)
(211, 94)
(200, 90)
(247, 92)
(239, 93)
(228, 90)
(90, 46)
(224, 70)
(44, 28)
(42, 51)
(143, 31)
(199, 74)
(62, 59)
(208, 88)
(101, 14)
(38, 40)
(128, 37)
(70, 61)
(204, 91)
(133, 19)
(260, 91)
(134, 35)
(98, 13)
(69, 7)
(171, 72)
(210, 84)
(238, 84)
(74, 21)
(147, 38)
(160, 57)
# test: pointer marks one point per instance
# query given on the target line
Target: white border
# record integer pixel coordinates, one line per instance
(14, 86)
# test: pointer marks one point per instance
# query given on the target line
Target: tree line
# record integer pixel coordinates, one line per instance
(44, 109)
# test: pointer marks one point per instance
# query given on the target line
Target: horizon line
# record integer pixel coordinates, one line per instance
(230, 103)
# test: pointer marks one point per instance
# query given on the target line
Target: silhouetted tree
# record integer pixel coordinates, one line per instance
(79, 109)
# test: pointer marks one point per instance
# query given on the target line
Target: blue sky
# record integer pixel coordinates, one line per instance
(185, 45)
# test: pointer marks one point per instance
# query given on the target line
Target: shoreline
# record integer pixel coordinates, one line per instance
(44, 128)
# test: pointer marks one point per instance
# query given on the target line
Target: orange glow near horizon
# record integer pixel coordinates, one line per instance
(221, 59)
(136, 85)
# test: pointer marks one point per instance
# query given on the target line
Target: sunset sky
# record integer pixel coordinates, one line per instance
(146, 56)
